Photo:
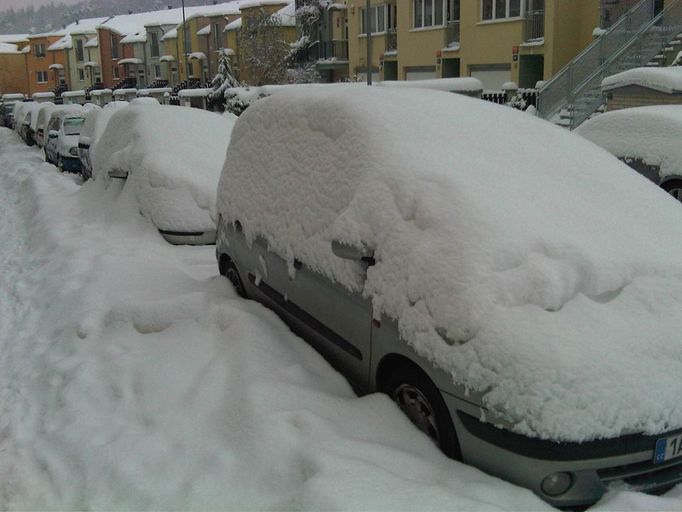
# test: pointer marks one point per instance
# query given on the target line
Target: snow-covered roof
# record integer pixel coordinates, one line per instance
(651, 134)
(171, 34)
(81, 27)
(233, 25)
(286, 16)
(549, 301)
(130, 60)
(13, 38)
(93, 42)
(668, 80)
(262, 3)
(206, 31)
(65, 43)
(26, 49)
(137, 37)
(8, 48)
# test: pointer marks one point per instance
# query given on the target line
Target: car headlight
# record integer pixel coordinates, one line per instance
(73, 151)
(557, 483)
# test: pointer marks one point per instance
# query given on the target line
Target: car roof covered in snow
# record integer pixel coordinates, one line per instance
(545, 274)
(651, 134)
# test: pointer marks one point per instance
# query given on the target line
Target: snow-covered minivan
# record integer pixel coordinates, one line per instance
(524, 323)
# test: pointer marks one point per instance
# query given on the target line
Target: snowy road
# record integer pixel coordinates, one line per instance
(132, 377)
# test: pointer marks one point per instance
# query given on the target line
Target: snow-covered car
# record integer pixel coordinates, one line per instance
(645, 138)
(525, 324)
(9, 102)
(43, 118)
(61, 147)
(171, 159)
(95, 122)
(28, 130)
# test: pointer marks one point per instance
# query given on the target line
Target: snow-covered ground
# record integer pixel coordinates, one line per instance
(133, 377)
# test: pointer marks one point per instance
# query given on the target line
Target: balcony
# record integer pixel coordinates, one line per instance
(333, 50)
(391, 41)
(535, 25)
(452, 34)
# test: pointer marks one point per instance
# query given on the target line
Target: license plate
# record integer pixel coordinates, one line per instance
(668, 448)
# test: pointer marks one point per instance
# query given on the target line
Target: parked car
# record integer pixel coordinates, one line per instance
(27, 129)
(524, 323)
(645, 138)
(170, 160)
(9, 102)
(95, 122)
(61, 147)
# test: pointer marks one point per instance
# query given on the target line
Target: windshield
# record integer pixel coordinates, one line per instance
(72, 125)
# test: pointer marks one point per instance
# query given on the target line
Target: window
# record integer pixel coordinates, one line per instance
(434, 13)
(40, 50)
(81, 74)
(215, 31)
(79, 50)
(154, 47)
(383, 17)
(114, 47)
(500, 9)
(114, 72)
(41, 77)
(157, 71)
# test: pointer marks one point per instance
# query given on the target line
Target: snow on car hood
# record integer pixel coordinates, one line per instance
(173, 157)
(531, 265)
(651, 134)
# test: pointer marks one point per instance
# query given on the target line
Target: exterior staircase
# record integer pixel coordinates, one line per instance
(641, 37)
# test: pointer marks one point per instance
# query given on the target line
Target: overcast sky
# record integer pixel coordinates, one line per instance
(6, 4)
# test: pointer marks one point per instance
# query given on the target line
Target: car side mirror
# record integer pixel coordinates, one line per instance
(53, 134)
(351, 252)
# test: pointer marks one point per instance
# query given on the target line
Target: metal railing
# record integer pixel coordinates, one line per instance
(535, 25)
(560, 91)
(391, 40)
(451, 33)
(638, 52)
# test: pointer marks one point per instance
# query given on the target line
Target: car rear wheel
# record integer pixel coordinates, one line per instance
(419, 399)
(229, 270)
(674, 188)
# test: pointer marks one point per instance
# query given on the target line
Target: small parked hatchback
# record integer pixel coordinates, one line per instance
(525, 324)
(61, 147)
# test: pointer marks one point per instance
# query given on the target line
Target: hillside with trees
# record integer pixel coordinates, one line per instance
(56, 15)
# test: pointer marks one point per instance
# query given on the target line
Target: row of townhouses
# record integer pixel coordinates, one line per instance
(496, 41)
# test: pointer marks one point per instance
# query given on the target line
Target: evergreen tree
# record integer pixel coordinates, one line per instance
(225, 79)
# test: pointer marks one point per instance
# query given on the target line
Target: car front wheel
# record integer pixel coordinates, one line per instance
(419, 399)
(229, 270)
(674, 188)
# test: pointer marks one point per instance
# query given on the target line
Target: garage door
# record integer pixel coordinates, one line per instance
(420, 75)
(492, 79)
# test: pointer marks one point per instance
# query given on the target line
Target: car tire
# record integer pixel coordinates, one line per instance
(419, 399)
(674, 188)
(229, 270)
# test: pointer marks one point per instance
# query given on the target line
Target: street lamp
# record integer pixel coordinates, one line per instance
(368, 26)
(184, 39)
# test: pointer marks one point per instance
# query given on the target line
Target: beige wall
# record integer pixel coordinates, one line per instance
(568, 29)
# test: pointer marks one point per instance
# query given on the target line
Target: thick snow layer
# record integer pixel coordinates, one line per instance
(668, 79)
(133, 378)
(466, 84)
(8, 48)
(650, 134)
(173, 158)
(549, 280)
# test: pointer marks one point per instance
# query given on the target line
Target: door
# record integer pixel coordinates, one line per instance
(337, 322)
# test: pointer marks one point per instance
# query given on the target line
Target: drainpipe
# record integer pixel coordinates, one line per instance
(368, 27)
(184, 39)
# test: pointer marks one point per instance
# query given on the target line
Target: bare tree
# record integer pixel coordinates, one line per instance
(263, 51)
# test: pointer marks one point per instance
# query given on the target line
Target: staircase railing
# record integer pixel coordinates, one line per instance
(636, 53)
(558, 92)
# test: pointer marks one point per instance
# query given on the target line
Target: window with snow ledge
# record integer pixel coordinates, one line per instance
(434, 13)
(492, 10)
